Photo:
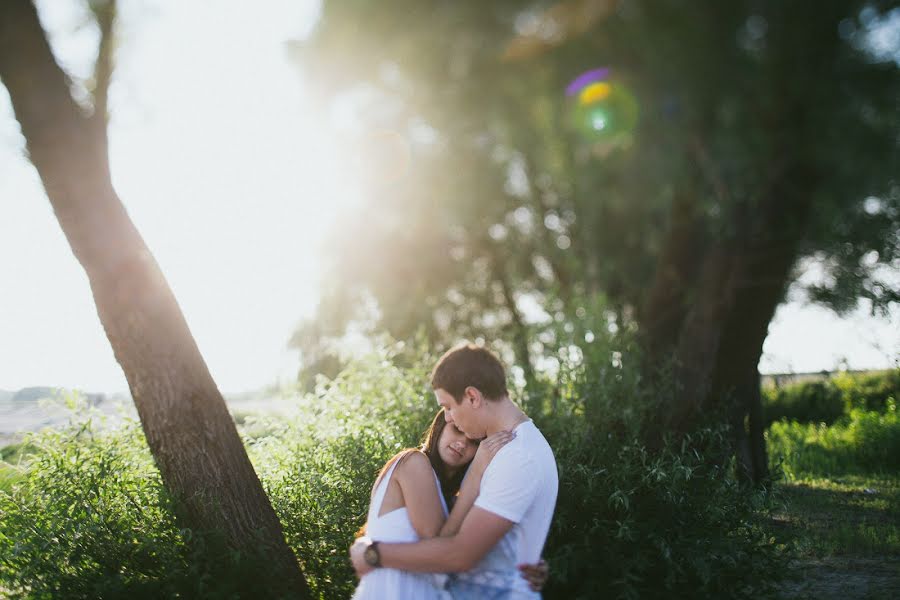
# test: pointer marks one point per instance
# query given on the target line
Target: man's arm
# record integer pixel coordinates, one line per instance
(471, 485)
(480, 532)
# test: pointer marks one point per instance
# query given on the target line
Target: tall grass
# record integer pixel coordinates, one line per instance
(862, 442)
(828, 400)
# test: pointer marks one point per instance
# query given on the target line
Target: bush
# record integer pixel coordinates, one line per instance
(869, 391)
(90, 517)
(865, 442)
(808, 402)
(635, 523)
(828, 400)
(319, 467)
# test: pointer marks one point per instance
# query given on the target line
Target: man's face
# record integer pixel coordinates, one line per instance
(462, 414)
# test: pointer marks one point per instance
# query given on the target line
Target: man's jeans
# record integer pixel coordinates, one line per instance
(486, 585)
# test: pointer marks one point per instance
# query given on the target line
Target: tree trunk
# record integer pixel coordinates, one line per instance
(190, 433)
(700, 337)
(666, 306)
(769, 255)
(720, 341)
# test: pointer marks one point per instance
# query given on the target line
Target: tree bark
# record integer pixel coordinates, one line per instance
(720, 340)
(188, 428)
(770, 251)
(700, 337)
(666, 306)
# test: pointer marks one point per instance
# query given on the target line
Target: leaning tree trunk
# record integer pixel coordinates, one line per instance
(741, 282)
(188, 428)
(770, 251)
(666, 305)
(726, 310)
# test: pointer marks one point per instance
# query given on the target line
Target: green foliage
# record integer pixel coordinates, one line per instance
(503, 202)
(869, 391)
(632, 522)
(11, 458)
(90, 517)
(319, 466)
(808, 402)
(863, 442)
(635, 524)
(828, 400)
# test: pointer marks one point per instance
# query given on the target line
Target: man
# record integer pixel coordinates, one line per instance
(508, 524)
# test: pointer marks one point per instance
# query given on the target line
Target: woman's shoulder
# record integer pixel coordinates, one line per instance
(414, 463)
(414, 457)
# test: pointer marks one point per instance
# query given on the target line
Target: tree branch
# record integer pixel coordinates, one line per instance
(105, 13)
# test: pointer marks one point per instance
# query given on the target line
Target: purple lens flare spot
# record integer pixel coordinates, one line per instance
(586, 78)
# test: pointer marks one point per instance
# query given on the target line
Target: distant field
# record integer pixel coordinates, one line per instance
(18, 417)
(771, 379)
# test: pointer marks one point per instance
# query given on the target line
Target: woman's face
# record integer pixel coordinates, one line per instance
(455, 449)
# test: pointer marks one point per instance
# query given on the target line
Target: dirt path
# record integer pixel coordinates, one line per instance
(842, 578)
(847, 532)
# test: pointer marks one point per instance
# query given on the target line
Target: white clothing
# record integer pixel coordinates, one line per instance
(395, 526)
(520, 484)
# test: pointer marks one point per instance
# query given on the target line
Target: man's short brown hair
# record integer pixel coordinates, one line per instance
(469, 365)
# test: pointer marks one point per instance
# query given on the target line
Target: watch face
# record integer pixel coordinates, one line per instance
(371, 556)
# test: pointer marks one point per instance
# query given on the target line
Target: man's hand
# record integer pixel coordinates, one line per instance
(536, 575)
(488, 448)
(356, 556)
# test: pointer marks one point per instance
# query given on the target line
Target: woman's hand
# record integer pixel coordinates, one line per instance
(536, 575)
(488, 448)
(357, 556)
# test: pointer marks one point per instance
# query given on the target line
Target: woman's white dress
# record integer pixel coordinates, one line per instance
(395, 526)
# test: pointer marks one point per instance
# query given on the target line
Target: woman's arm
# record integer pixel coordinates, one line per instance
(471, 485)
(420, 494)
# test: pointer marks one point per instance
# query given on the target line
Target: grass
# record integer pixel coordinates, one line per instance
(12, 458)
(841, 504)
(846, 516)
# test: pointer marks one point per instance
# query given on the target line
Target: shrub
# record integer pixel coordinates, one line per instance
(807, 402)
(636, 523)
(828, 400)
(865, 442)
(319, 467)
(90, 517)
(869, 391)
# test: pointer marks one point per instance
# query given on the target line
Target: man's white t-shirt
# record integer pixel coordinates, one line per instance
(520, 484)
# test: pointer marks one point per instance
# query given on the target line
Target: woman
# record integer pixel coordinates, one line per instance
(410, 499)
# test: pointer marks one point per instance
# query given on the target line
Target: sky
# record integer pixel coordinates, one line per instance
(233, 176)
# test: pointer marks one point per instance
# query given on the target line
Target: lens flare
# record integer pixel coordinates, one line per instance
(594, 93)
(585, 79)
(381, 157)
(602, 110)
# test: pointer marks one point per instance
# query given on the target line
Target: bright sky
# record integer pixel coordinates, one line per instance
(232, 178)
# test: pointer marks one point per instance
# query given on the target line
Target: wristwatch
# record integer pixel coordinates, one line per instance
(372, 556)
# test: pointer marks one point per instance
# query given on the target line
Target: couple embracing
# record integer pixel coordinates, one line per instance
(466, 515)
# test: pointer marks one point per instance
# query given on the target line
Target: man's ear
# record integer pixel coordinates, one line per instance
(473, 395)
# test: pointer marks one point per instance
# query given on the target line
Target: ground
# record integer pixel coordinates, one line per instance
(848, 534)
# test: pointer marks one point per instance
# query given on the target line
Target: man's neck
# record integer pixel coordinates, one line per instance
(506, 416)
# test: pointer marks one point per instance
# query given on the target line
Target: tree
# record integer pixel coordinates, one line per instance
(767, 134)
(188, 428)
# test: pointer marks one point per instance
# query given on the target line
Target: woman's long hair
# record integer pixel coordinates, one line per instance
(449, 483)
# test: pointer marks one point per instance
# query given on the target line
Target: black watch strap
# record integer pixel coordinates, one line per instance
(373, 555)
